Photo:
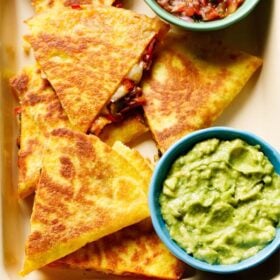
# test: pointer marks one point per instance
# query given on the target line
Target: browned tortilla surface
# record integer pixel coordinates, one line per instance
(193, 79)
(86, 191)
(86, 53)
(135, 250)
(40, 112)
(42, 5)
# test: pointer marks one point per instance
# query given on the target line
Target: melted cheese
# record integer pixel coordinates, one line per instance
(135, 75)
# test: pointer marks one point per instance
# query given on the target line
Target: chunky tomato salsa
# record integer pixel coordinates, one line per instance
(200, 10)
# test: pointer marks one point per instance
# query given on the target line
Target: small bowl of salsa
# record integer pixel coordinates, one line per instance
(215, 199)
(202, 15)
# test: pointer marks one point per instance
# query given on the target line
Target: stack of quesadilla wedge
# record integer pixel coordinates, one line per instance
(193, 79)
(135, 250)
(90, 207)
(86, 191)
(40, 112)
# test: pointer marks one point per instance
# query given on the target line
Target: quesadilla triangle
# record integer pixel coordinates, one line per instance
(193, 79)
(86, 191)
(42, 5)
(40, 112)
(135, 251)
(94, 57)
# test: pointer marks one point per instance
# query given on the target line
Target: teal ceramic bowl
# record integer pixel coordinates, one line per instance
(160, 173)
(239, 14)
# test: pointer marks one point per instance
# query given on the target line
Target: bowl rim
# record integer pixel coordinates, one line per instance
(239, 14)
(163, 166)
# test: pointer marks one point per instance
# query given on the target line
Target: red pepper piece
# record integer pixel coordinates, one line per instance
(18, 110)
(76, 6)
(129, 84)
(151, 46)
(113, 118)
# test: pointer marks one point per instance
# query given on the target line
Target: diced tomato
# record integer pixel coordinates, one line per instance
(212, 14)
(204, 2)
(118, 4)
(18, 110)
(201, 9)
(113, 118)
(232, 6)
(76, 6)
(129, 84)
(188, 11)
(140, 101)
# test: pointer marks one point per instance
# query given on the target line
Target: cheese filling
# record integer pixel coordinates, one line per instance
(135, 75)
(128, 95)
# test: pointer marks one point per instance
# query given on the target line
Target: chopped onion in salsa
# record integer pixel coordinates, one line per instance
(200, 10)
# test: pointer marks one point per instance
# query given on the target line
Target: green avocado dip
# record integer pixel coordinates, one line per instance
(221, 201)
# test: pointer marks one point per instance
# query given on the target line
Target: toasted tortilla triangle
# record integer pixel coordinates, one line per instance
(193, 79)
(43, 5)
(134, 250)
(86, 191)
(86, 53)
(40, 112)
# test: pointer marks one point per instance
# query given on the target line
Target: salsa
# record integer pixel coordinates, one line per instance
(221, 201)
(200, 10)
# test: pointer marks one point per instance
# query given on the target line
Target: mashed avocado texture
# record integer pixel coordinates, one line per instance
(221, 201)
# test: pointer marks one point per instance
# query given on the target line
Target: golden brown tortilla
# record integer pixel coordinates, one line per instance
(193, 79)
(86, 53)
(43, 5)
(86, 191)
(135, 250)
(41, 112)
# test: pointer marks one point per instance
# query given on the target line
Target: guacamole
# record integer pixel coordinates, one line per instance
(221, 201)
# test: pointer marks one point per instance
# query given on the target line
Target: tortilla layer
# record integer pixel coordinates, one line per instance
(86, 191)
(193, 79)
(40, 112)
(43, 5)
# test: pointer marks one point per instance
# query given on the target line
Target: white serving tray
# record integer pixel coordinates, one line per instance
(257, 109)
